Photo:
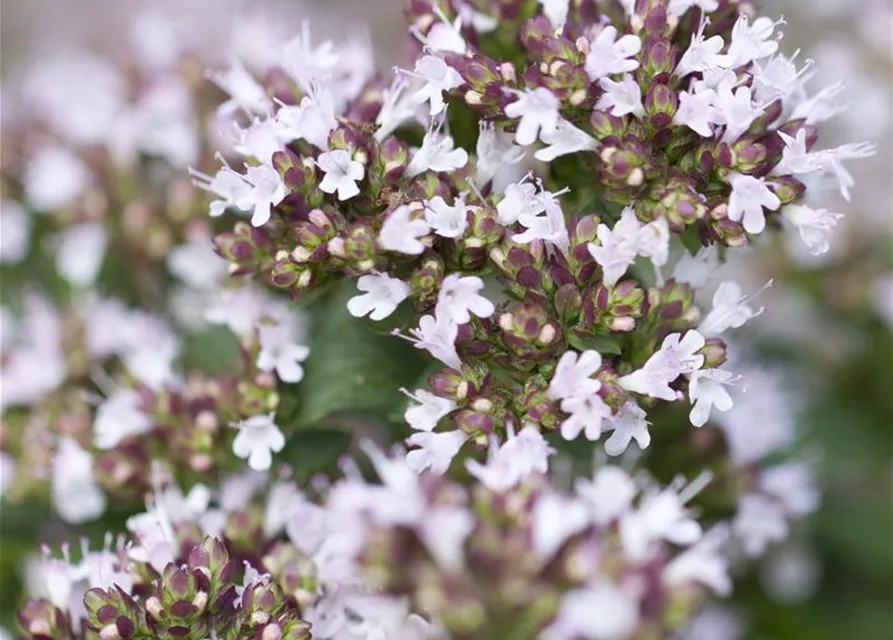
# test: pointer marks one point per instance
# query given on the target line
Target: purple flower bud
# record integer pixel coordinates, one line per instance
(715, 353)
(787, 188)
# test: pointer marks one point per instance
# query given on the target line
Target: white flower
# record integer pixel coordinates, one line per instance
(382, 294)
(563, 140)
(765, 401)
(478, 21)
(161, 124)
(438, 77)
(312, 120)
(459, 299)
(556, 12)
(54, 178)
(260, 140)
(239, 309)
(257, 439)
(150, 351)
(444, 531)
(401, 234)
(306, 63)
(119, 418)
(197, 264)
(704, 563)
(715, 622)
(653, 242)
(34, 364)
(437, 336)
(77, 93)
(436, 154)
(737, 108)
(551, 228)
(587, 414)
(446, 37)
(609, 494)
(609, 55)
(396, 108)
(759, 522)
(428, 410)
(573, 376)
(520, 199)
(814, 225)
(618, 247)
(706, 390)
(517, 458)
(601, 611)
(244, 91)
(792, 484)
(696, 269)
(677, 8)
(749, 196)
(730, 310)
(779, 79)
(494, 150)
(752, 41)
(555, 519)
(155, 533)
(622, 97)
(15, 232)
(832, 173)
(230, 187)
(660, 516)
(267, 190)
(7, 472)
(701, 54)
(80, 253)
(538, 111)
(435, 451)
(697, 112)
(822, 106)
(677, 356)
(342, 173)
(629, 424)
(279, 350)
(77, 496)
(447, 221)
(795, 158)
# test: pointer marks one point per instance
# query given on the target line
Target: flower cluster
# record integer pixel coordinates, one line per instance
(537, 200)
(594, 152)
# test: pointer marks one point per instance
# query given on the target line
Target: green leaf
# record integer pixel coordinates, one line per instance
(312, 450)
(212, 351)
(605, 345)
(691, 240)
(352, 367)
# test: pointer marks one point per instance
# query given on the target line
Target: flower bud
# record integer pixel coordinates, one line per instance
(678, 202)
(658, 58)
(613, 308)
(787, 188)
(425, 280)
(537, 405)
(715, 353)
(660, 105)
(392, 159)
(568, 303)
(528, 331)
(360, 248)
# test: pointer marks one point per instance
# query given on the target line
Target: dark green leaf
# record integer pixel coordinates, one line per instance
(312, 450)
(212, 351)
(605, 345)
(353, 367)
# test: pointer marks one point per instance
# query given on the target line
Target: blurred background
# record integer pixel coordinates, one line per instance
(828, 324)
